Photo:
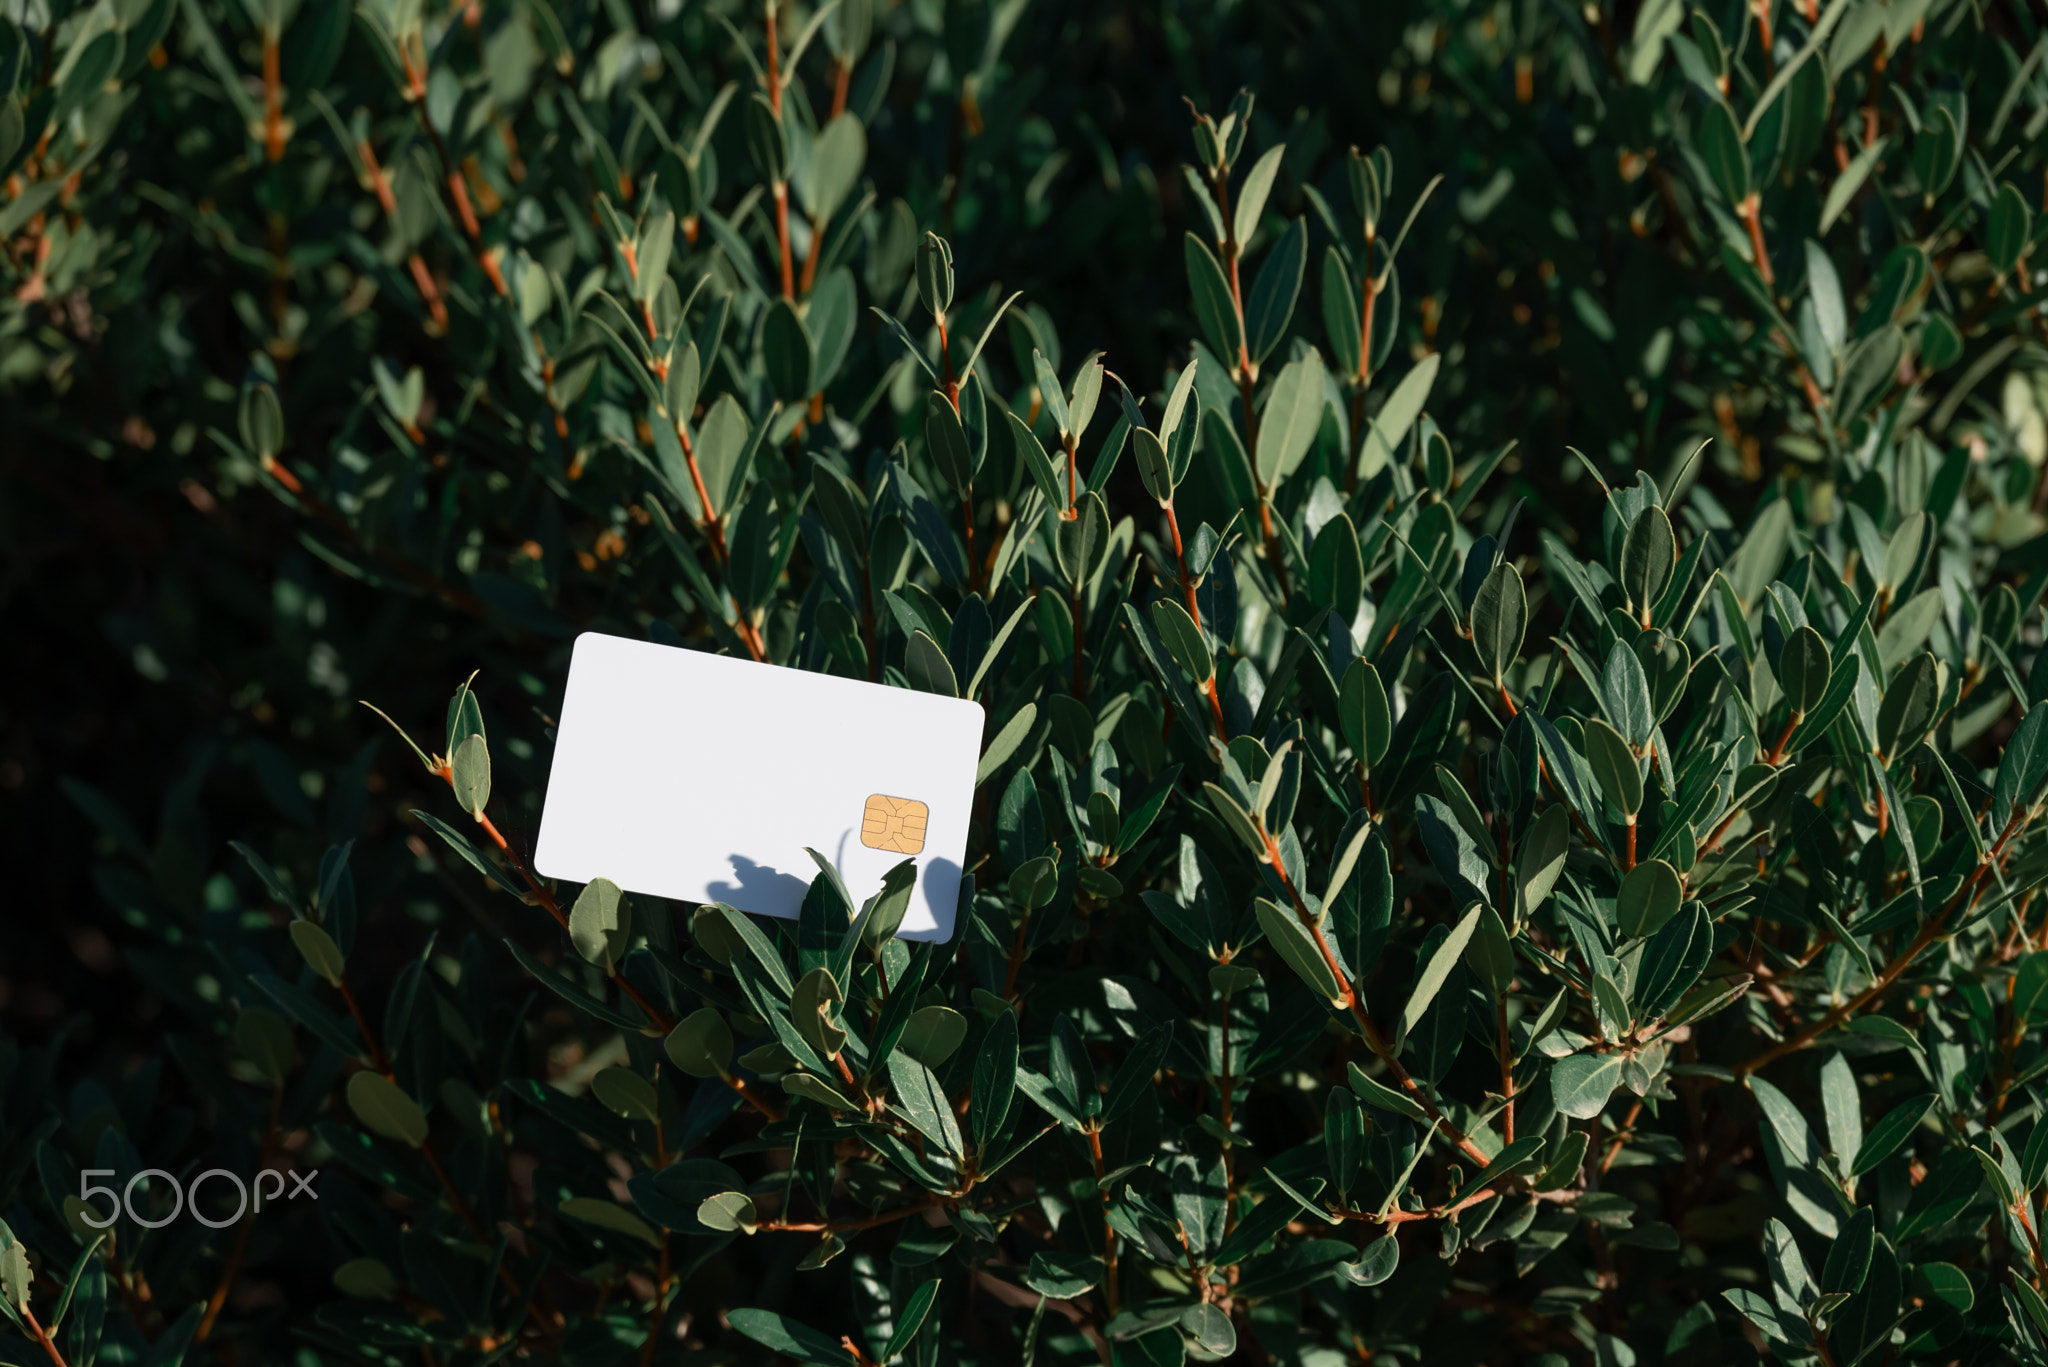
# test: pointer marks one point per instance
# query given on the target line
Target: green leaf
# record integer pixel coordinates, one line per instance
(1363, 711)
(591, 1210)
(1581, 1083)
(787, 353)
(995, 1080)
(1298, 948)
(1842, 1107)
(1183, 639)
(2008, 229)
(1894, 1129)
(910, 1320)
(1542, 859)
(1627, 690)
(470, 775)
(814, 1012)
(1650, 894)
(1614, 766)
(2022, 768)
(1804, 669)
(1649, 555)
(1843, 191)
(1251, 195)
(1236, 818)
(1343, 1139)
(1718, 142)
(16, 1280)
(1849, 1255)
(1868, 372)
(926, 666)
(934, 269)
(814, 1088)
(1292, 417)
(1431, 979)
(701, 1044)
(1910, 706)
(318, 949)
(1336, 568)
(1154, 468)
(932, 1034)
(1214, 308)
(600, 923)
(1500, 617)
(923, 1102)
(785, 1335)
(1342, 312)
(1385, 1098)
(838, 154)
(1209, 1329)
(1376, 1261)
(1006, 741)
(1270, 306)
(1673, 960)
(1488, 954)
(1397, 415)
(385, 1109)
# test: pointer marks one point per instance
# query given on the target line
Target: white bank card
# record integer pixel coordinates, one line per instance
(702, 778)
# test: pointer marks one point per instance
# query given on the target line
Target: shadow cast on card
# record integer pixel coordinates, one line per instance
(757, 888)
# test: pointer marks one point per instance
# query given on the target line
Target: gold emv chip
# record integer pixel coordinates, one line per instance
(895, 824)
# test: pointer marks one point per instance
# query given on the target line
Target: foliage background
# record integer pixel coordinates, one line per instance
(187, 642)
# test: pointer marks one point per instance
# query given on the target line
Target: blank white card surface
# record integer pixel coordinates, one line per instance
(702, 778)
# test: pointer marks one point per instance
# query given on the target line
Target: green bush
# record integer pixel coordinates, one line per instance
(1511, 814)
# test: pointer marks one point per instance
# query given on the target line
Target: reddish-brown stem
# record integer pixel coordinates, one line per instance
(1505, 700)
(1402, 1217)
(1109, 1287)
(714, 525)
(1713, 844)
(782, 239)
(1621, 1135)
(1630, 853)
(1784, 739)
(948, 383)
(1187, 588)
(746, 1094)
(1507, 1074)
(1371, 297)
(42, 1335)
(383, 1065)
(843, 1226)
(714, 531)
(1752, 218)
(842, 77)
(1016, 957)
(273, 99)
